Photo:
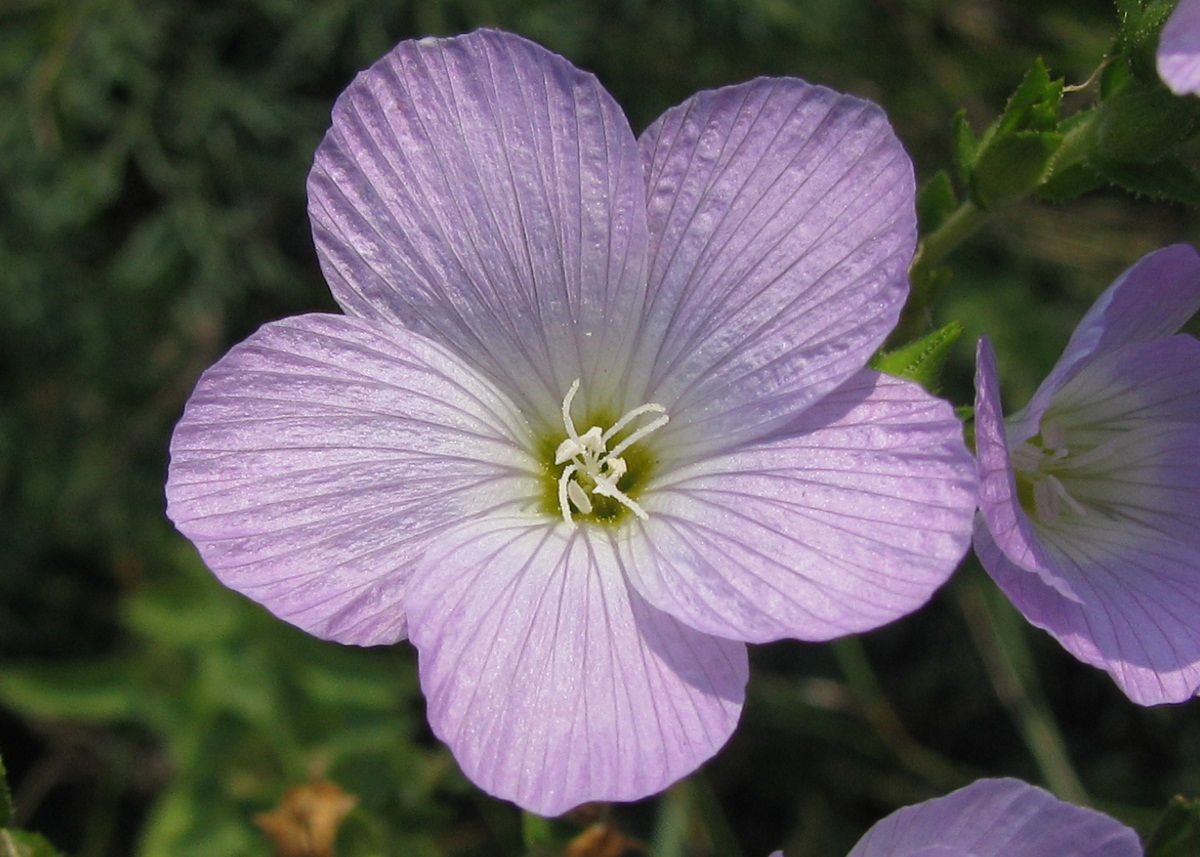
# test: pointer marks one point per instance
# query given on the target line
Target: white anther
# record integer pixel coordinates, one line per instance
(592, 464)
(592, 441)
(579, 497)
(567, 450)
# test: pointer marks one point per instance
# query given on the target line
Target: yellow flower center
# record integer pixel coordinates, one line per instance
(595, 479)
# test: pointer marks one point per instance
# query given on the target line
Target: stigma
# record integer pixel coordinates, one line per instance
(591, 468)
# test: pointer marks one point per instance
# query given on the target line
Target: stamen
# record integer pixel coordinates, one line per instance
(606, 490)
(566, 410)
(563, 482)
(1100, 453)
(1047, 492)
(639, 434)
(1044, 463)
(629, 417)
(592, 463)
(567, 450)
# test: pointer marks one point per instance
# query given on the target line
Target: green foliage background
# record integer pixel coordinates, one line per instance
(153, 155)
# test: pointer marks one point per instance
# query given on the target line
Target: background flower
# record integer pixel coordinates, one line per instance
(1179, 49)
(1089, 495)
(998, 818)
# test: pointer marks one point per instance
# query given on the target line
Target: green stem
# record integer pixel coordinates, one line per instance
(671, 828)
(967, 218)
(953, 231)
(536, 831)
(879, 712)
(999, 635)
(720, 833)
(1075, 144)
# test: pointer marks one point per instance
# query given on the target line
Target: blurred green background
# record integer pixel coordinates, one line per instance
(153, 155)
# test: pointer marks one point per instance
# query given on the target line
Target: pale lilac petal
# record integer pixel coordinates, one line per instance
(1179, 49)
(999, 506)
(1138, 407)
(551, 680)
(783, 225)
(998, 818)
(485, 193)
(317, 460)
(1136, 617)
(851, 521)
(1150, 300)
(1132, 560)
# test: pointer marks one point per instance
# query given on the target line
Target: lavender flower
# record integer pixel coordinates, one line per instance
(995, 818)
(596, 413)
(1090, 495)
(1179, 49)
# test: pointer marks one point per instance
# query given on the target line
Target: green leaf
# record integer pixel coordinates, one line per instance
(1143, 126)
(1034, 106)
(20, 843)
(965, 145)
(99, 690)
(1014, 155)
(1127, 8)
(1116, 77)
(1013, 166)
(1071, 182)
(1141, 23)
(922, 360)
(1178, 831)
(936, 202)
(6, 807)
(1169, 179)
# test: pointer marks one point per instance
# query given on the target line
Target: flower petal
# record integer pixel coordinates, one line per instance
(317, 460)
(485, 193)
(1132, 560)
(851, 521)
(1136, 613)
(1138, 407)
(1011, 531)
(1150, 300)
(1179, 49)
(991, 818)
(782, 223)
(552, 681)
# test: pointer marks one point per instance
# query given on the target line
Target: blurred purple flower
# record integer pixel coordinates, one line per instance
(1091, 494)
(997, 818)
(1179, 49)
(596, 413)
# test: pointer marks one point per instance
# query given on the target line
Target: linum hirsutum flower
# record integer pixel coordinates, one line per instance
(997, 818)
(1090, 495)
(596, 413)
(1179, 49)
